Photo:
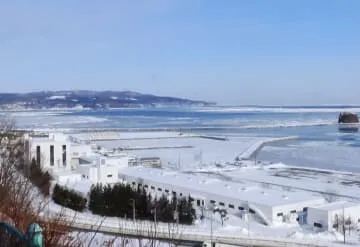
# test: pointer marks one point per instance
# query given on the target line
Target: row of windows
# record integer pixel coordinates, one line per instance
(232, 206)
(199, 202)
(282, 214)
(153, 188)
(52, 155)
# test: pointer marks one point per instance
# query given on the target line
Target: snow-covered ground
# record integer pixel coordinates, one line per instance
(185, 152)
(232, 226)
(343, 184)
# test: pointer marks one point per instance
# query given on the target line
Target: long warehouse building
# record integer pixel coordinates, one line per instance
(269, 205)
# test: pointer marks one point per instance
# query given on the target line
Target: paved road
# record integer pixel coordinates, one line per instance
(185, 234)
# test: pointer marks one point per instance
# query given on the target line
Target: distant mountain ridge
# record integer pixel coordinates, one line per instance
(91, 100)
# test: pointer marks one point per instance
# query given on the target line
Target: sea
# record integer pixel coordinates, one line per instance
(321, 143)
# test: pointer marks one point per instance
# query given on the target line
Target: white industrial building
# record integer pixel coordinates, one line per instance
(324, 216)
(267, 205)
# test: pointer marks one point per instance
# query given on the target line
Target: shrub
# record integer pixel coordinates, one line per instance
(69, 198)
(39, 178)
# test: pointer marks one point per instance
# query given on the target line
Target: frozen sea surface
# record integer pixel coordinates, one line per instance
(321, 144)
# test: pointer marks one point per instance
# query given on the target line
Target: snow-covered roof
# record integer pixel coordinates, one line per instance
(336, 205)
(245, 192)
(53, 137)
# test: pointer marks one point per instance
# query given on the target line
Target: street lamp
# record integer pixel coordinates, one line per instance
(154, 211)
(211, 227)
(133, 206)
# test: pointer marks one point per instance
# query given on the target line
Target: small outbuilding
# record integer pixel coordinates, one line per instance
(328, 216)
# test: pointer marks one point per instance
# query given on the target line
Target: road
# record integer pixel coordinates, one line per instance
(182, 234)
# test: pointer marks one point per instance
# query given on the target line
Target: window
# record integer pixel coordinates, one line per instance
(222, 204)
(280, 214)
(159, 189)
(174, 193)
(251, 211)
(317, 225)
(241, 208)
(212, 201)
(231, 206)
(146, 186)
(293, 211)
(109, 176)
(64, 155)
(133, 183)
(152, 187)
(52, 159)
(305, 209)
(83, 176)
(198, 203)
(167, 191)
(180, 194)
(38, 155)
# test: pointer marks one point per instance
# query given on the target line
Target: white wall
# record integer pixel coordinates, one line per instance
(327, 218)
(107, 174)
(287, 209)
(88, 172)
(320, 216)
(44, 145)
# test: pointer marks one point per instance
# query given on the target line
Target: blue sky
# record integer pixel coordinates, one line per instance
(230, 51)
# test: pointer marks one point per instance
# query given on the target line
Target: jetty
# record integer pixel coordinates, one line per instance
(251, 151)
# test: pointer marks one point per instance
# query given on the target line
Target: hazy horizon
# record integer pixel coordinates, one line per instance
(258, 52)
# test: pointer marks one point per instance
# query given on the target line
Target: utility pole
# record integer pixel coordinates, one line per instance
(133, 206)
(211, 228)
(248, 219)
(154, 210)
(343, 222)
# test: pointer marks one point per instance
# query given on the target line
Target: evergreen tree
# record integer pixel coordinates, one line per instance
(165, 212)
(69, 198)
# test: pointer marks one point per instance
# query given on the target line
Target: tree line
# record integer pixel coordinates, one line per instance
(120, 200)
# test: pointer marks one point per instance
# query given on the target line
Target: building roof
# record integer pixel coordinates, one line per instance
(336, 205)
(245, 192)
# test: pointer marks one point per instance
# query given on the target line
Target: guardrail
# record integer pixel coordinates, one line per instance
(172, 232)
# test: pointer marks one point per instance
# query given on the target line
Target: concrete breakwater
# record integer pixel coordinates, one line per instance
(251, 151)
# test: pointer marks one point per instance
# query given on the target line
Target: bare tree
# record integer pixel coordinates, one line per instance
(21, 203)
(345, 225)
